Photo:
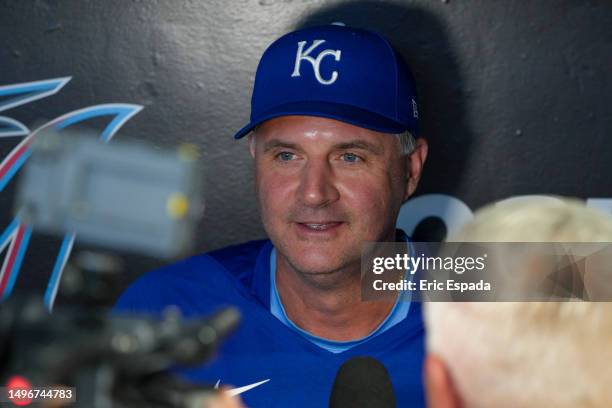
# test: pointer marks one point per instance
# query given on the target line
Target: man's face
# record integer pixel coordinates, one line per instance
(326, 186)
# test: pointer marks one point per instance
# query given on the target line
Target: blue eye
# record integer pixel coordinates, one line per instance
(285, 156)
(350, 157)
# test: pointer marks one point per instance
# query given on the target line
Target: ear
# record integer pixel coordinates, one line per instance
(414, 166)
(251, 140)
(439, 387)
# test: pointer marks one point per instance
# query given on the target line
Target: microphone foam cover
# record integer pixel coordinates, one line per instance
(362, 382)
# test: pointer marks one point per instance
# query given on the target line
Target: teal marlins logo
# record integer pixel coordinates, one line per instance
(16, 236)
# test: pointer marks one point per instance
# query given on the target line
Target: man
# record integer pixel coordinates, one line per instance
(524, 354)
(333, 116)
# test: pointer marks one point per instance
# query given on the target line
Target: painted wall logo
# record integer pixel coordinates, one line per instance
(454, 213)
(16, 236)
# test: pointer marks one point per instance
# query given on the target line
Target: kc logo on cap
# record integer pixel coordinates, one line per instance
(315, 62)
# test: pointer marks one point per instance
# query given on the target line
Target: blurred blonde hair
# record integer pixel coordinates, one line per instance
(524, 355)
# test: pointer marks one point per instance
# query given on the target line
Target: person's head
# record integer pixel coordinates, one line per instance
(529, 354)
(332, 130)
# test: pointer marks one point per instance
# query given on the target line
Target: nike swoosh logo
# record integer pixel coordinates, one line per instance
(236, 391)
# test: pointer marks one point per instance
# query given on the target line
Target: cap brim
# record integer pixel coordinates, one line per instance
(344, 113)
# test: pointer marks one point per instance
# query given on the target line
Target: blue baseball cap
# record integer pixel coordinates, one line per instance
(337, 72)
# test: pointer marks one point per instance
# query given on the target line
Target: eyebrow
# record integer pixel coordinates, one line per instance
(274, 143)
(351, 144)
(360, 144)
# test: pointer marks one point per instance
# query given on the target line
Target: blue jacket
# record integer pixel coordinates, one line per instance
(299, 373)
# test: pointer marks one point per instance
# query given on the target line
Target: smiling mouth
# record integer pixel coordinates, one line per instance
(319, 226)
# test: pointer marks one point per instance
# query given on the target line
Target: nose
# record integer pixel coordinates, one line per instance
(317, 184)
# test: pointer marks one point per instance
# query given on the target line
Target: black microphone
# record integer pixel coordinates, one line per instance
(362, 382)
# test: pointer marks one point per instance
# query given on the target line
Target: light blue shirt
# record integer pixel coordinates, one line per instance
(397, 314)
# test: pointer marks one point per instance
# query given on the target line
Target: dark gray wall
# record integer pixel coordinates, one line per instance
(516, 95)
